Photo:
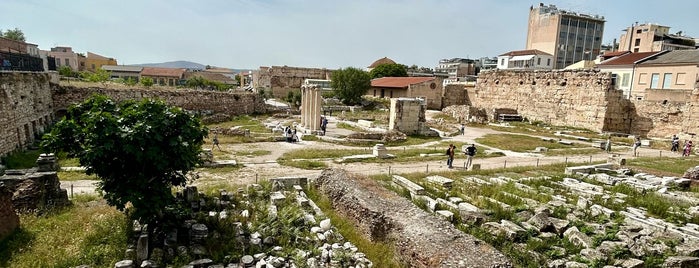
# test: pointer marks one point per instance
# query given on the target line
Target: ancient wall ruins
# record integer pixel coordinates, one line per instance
(9, 220)
(583, 99)
(26, 108)
(283, 79)
(407, 115)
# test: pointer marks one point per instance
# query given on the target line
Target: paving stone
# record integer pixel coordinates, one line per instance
(577, 238)
(414, 188)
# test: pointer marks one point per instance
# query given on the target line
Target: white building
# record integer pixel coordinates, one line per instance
(526, 59)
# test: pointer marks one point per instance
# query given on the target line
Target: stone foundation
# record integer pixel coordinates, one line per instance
(34, 190)
(408, 116)
(421, 239)
(9, 221)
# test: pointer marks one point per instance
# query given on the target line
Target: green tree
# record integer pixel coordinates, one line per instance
(66, 71)
(15, 34)
(294, 98)
(389, 70)
(350, 84)
(99, 75)
(147, 81)
(139, 150)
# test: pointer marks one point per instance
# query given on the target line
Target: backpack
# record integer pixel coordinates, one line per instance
(447, 152)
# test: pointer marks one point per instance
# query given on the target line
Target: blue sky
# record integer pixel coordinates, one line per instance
(313, 33)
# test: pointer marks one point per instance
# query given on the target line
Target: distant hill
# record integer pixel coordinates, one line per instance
(182, 64)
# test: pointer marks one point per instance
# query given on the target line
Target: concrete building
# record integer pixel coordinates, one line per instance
(65, 56)
(649, 37)
(12, 46)
(525, 59)
(427, 88)
(94, 62)
(124, 72)
(622, 68)
(486, 63)
(456, 69)
(670, 76)
(568, 36)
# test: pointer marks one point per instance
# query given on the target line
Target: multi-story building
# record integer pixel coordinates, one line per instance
(525, 59)
(623, 67)
(455, 69)
(94, 62)
(650, 37)
(568, 36)
(486, 63)
(65, 56)
(666, 76)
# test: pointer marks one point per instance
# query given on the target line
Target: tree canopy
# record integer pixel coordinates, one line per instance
(15, 34)
(389, 70)
(139, 150)
(350, 84)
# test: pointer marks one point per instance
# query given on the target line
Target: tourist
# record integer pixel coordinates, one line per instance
(462, 129)
(608, 145)
(675, 144)
(215, 140)
(687, 148)
(470, 153)
(450, 155)
(636, 144)
(323, 124)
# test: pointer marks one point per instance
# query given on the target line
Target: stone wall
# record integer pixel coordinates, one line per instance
(455, 94)
(583, 99)
(407, 115)
(9, 221)
(420, 239)
(34, 190)
(26, 108)
(205, 101)
(282, 79)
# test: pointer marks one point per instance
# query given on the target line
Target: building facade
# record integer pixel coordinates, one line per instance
(669, 76)
(568, 36)
(525, 59)
(95, 62)
(623, 69)
(64, 56)
(123, 72)
(456, 69)
(650, 37)
(427, 88)
(164, 76)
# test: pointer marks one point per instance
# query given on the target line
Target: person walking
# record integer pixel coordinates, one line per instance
(470, 153)
(215, 141)
(636, 145)
(675, 144)
(462, 129)
(608, 145)
(687, 148)
(450, 156)
(323, 124)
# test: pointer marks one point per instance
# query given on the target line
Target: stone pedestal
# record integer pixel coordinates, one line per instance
(47, 163)
(380, 151)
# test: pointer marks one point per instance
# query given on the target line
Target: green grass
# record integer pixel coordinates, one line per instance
(521, 143)
(89, 233)
(320, 153)
(244, 121)
(304, 164)
(665, 166)
(22, 159)
(75, 175)
(380, 253)
(68, 162)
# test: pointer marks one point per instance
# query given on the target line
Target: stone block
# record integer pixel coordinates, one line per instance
(409, 185)
(289, 181)
(379, 150)
(441, 181)
(445, 214)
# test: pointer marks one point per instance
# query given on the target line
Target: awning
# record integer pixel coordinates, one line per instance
(518, 58)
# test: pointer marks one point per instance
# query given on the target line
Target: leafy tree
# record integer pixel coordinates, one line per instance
(350, 84)
(139, 150)
(98, 75)
(389, 70)
(146, 81)
(66, 71)
(294, 98)
(15, 34)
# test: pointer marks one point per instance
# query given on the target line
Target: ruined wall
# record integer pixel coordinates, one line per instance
(583, 99)
(407, 115)
(26, 108)
(430, 91)
(282, 79)
(34, 190)
(9, 221)
(209, 102)
(455, 94)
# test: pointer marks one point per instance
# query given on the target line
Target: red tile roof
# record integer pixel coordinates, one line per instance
(398, 82)
(627, 59)
(615, 53)
(525, 53)
(380, 61)
(157, 71)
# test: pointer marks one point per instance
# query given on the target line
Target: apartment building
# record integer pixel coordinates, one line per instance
(650, 37)
(568, 36)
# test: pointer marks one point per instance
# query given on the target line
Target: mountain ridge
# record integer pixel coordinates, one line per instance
(183, 64)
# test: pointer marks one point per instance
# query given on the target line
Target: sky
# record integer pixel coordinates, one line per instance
(332, 34)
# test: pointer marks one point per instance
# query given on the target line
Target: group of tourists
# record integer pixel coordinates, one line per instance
(686, 147)
(290, 134)
(469, 151)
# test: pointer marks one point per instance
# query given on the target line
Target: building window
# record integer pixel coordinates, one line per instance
(502, 62)
(58, 62)
(667, 79)
(538, 61)
(637, 42)
(67, 62)
(625, 79)
(654, 80)
(642, 78)
(680, 78)
(548, 62)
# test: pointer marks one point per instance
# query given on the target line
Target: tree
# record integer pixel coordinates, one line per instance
(139, 150)
(15, 34)
(389, 70)
(350, 84)
(99, 75)
(147, 81)
(66, 71)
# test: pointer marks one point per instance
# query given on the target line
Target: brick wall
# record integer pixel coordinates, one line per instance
(26, 108)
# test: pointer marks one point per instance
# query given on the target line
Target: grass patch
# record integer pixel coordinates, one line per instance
(75, 175)
(87, 233)
(663, 166)
(68, 162)
(520, 143)
(348, 127)
(21, 159)
(244, 121)
(380, 253)
(320, 153)
(304, 164)
(574, 151)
